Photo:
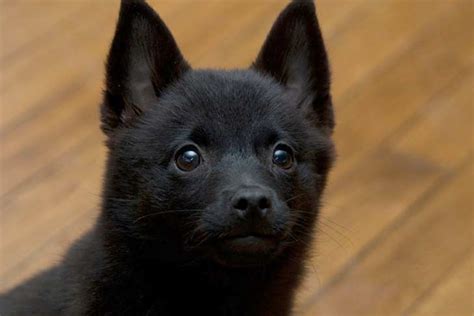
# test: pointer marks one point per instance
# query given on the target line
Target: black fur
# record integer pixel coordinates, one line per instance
(174, 242)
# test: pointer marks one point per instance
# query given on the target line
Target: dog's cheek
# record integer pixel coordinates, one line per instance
(306, 189)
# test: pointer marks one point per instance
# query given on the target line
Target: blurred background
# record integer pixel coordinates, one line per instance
(396, 233)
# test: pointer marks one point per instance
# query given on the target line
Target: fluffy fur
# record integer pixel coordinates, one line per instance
(181, 242)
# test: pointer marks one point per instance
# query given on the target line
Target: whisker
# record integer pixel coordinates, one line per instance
(299, 240)
(165, 212)
(299, 228)
(338, 232)
(335, 240)
(294, 197)
(322, 219)
(335, 223)
(302, 211)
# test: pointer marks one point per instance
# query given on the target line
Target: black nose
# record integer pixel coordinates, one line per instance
(252, 201)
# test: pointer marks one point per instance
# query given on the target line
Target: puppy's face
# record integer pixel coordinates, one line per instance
(230, 164)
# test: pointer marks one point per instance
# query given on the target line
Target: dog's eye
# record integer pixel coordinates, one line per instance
(283, 156)
(188, 158)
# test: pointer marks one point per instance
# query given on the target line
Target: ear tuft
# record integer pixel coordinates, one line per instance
(294, 54)
(143, 60)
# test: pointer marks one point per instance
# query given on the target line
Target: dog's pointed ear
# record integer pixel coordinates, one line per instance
(294, 54)
(143, 60)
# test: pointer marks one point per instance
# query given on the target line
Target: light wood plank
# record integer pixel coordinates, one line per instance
(397, 92)
(453, 295)
(408, 259)
(377, 35)
(25, 28)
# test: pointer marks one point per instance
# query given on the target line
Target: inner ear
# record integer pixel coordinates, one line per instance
(294, 55)
(143, 60)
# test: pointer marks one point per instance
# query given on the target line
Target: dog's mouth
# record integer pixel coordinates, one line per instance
(246, 250)
(250, 244)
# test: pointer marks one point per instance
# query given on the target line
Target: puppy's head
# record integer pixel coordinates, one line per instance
(230, 164)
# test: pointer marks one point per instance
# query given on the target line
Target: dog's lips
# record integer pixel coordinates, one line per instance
(249, 250)
(250, 244)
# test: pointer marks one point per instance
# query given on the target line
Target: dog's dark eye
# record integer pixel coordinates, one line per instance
(188, 158)
(283, 156)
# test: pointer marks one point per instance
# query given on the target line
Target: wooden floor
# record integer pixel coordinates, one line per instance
(396, 236)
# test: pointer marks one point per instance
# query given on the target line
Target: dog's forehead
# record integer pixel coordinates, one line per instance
(226, 108)
(232, 98)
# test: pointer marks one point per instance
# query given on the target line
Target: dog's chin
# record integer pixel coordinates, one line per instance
(246, 251)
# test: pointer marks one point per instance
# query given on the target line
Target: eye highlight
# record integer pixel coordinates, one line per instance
(188, 158)
(283, 156)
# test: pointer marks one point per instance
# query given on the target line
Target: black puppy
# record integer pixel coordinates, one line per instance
(213, 179)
